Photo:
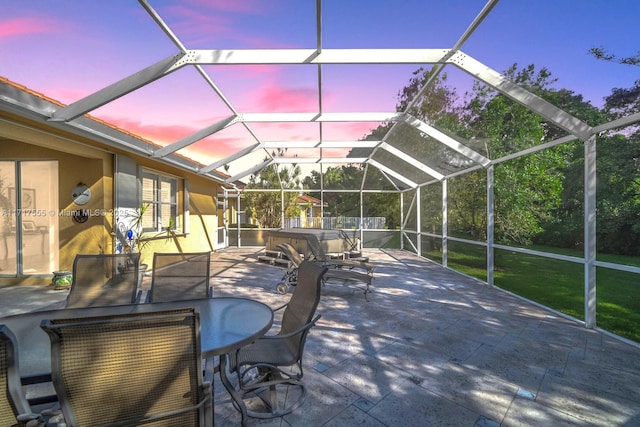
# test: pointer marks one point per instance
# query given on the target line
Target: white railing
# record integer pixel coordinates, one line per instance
(335, 223)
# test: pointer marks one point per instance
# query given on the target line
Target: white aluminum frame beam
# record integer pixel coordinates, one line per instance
(249, 171)
(184, 142)
(321, 56)
(320, 144)
(533, 102)
(160, 22)
(117, 89)
(412, 161)
(308, 160)
(231, 158)
(392, 173)
(319, 117)
(446, 140)
(311, 56)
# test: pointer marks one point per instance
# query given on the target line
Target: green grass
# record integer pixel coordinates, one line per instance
(558, 284)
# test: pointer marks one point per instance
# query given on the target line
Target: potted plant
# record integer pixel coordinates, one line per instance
(128, 232)
(131, 238)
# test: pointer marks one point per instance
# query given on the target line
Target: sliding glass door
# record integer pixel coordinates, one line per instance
(28, 217)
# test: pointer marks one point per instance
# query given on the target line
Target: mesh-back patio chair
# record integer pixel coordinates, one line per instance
(14, 408)
(344, 270)
(13, 404)
(180, 276)
(130, 369)
(269, 371)
(104, 279)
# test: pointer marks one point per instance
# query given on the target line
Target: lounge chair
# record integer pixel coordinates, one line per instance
(269, 370)
(345, 270)
(318, 253)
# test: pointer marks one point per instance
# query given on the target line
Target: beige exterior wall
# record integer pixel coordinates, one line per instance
(83, 160)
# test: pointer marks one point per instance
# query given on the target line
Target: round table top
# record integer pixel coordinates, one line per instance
(226, 324)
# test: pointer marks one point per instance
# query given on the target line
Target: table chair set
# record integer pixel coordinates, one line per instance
(126, 361)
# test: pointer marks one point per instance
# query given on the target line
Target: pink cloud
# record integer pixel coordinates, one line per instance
(220, 147)
(67, 95)
(194, 22)
(221, 23)
(347, 131)
(25, 26)
(286, 131)
(230, 6)
(160, 134)
(205, 151)
(237, 72)
(336, 152)
(204, 20)
(274, 98)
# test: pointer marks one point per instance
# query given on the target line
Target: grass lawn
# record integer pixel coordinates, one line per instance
(559, 284)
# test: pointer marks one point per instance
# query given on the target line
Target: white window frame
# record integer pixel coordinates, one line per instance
(157, 202)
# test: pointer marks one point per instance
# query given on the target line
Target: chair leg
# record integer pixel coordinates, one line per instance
(238, 403)
(273, 390)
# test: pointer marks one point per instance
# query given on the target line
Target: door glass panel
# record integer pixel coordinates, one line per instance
(38, 220)
(8, 259)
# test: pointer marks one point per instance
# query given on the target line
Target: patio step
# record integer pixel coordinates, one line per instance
(283, 262)
(276, 258)
(350, 255)
(264, 259)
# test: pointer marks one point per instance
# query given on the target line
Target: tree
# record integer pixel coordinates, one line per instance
(617, 169)
(564, 226)
(618, 194)
(265, 206)
(603, 54)
(528, 190)
(347, 177)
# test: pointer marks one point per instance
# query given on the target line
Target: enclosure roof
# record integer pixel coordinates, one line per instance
(226, 90)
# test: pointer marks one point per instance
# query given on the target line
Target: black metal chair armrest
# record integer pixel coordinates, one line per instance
(293, 333)
(280, 307)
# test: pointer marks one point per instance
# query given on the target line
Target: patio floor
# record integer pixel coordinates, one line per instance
(432, 347)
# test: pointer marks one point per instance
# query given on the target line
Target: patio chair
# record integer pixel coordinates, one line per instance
(104, 279)
(14, 408)
(345, 270)
(130, 369)
(317, 250)
(270, 368)
(180, 276)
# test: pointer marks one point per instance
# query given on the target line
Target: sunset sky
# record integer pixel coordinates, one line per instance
(68, 49)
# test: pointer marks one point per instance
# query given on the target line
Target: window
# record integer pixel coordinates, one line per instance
(160, 196)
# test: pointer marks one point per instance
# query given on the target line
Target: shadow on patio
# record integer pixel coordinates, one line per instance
(431, 347)
(436, 348)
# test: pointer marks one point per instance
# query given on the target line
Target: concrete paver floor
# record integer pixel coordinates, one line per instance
(429, 347)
